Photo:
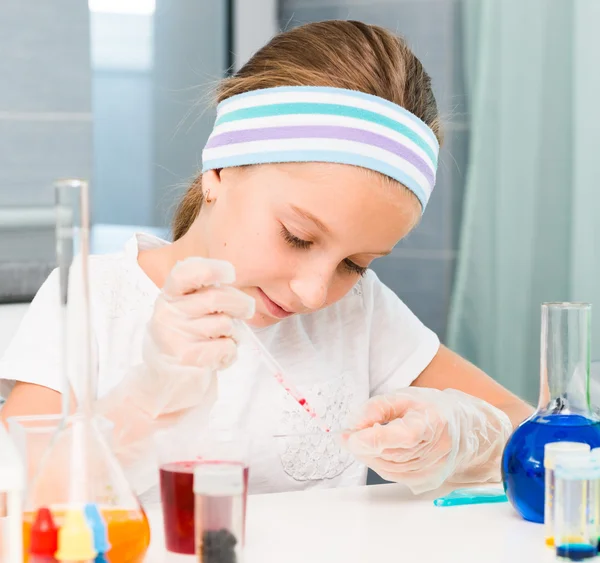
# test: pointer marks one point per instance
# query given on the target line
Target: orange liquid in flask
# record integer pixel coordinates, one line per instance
(128, 533)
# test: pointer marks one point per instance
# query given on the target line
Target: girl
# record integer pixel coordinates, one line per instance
(322, 158)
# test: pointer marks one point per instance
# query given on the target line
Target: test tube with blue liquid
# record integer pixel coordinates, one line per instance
(576, 492)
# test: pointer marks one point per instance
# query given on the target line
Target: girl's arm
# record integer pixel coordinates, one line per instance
(448, 370)
(30, 399)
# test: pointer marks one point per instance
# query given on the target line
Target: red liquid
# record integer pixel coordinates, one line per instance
(177, 494)
(294, 394)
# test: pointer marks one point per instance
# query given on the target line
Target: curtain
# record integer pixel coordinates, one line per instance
(531, 212)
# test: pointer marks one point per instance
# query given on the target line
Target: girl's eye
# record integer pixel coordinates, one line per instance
(353, 268)
(294, 241)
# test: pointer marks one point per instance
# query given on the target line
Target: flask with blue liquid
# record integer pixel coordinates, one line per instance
(564, 410)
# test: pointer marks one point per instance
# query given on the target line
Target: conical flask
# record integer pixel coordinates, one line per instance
(564, 412)
(79, 468)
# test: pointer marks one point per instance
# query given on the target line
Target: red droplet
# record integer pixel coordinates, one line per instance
(44, 534)
(302, 401)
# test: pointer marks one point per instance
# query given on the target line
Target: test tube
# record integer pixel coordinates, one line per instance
(596, 457)
(12, 485)
(552, 452)
(219, 512)
(574, 508)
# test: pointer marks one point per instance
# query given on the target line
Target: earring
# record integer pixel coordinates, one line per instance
(207, 197)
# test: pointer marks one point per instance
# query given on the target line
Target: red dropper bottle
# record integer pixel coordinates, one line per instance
(44, 538)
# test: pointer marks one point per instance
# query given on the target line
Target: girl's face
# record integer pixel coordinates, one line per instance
(299, 235)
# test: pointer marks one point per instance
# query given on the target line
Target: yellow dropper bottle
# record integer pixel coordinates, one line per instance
(75, 539)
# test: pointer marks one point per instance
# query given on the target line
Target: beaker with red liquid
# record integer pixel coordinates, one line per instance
(176, 470)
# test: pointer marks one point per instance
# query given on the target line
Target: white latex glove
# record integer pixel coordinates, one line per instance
(189, 337)
(424, 437)
(191, 334)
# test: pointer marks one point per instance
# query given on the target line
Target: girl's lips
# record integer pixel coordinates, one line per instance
(273, 308)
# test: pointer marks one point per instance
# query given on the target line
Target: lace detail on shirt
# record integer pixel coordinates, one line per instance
(309, 453)
(120, 288)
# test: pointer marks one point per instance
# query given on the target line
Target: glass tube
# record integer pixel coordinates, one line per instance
(219, 512)
(574, 508)
(565, 359)
(553, 452)
(595, 454)
(72, 253)
(12, 484)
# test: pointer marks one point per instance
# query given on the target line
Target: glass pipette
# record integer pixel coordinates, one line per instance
(337, 432)
(279, 375)
(309, 434)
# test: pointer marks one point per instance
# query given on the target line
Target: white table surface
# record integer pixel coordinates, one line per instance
(376, 524)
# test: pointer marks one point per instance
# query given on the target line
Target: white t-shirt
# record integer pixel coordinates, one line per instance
(367, 343)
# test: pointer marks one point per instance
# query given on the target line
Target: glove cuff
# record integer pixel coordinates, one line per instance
(483, 433)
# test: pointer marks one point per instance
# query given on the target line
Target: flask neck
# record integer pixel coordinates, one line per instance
(565, 359)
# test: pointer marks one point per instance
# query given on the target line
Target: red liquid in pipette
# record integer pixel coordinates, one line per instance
(276, 371)
(298, 398)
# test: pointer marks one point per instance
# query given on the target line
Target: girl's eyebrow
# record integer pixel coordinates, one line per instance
(322, 227)
(310, 217)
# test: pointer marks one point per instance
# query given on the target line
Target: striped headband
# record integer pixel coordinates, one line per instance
(317, 124)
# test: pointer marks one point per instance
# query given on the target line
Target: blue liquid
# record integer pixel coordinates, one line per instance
(576, 551)
(523, 459)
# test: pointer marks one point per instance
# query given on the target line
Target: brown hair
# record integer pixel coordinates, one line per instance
(342, 54)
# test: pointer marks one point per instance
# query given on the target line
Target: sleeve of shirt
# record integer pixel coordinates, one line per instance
(33, 355)
(400, 346)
